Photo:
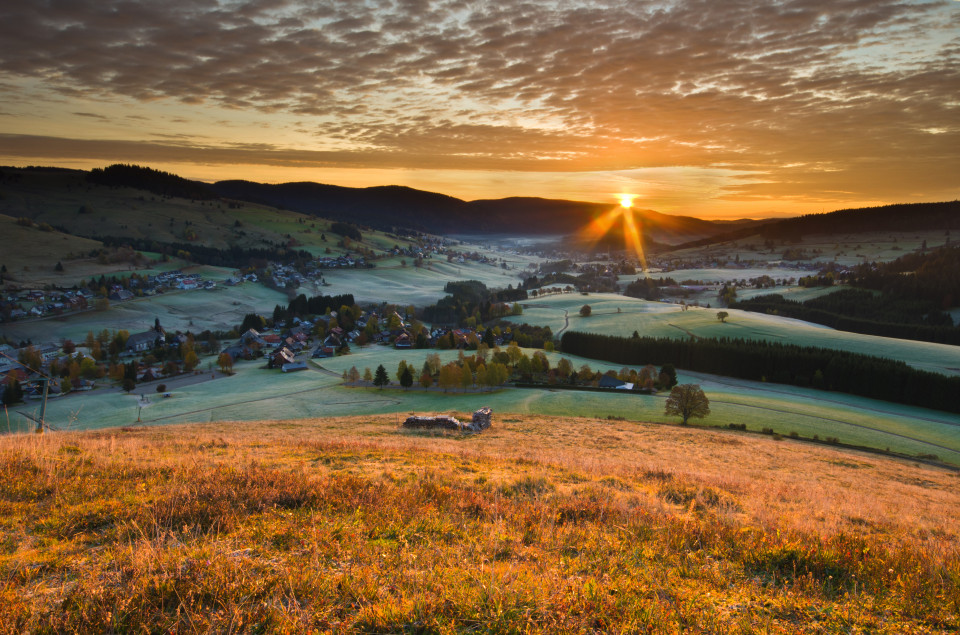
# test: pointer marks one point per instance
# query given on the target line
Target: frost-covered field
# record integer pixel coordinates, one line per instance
(255, 393)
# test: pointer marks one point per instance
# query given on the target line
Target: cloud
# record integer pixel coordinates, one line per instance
(513, 85)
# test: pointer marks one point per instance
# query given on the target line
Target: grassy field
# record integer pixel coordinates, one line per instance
(659, 319)
(352, 525)
(193, 310)
(255, 393)
(403, 285)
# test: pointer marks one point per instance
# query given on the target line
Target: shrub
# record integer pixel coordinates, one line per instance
(161, 388)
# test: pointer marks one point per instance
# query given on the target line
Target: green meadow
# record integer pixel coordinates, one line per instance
(255, 393)
(660, 319)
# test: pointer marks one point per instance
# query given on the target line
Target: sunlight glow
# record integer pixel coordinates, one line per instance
(632, 229)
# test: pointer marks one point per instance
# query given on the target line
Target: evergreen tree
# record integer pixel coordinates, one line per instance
(406, 378)
(380, 378)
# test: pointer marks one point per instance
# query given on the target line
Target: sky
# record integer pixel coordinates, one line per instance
(717, 109)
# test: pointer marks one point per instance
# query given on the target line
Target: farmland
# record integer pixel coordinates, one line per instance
(658, 319)
(255, 393)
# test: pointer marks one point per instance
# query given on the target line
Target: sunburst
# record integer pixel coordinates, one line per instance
(600, 226)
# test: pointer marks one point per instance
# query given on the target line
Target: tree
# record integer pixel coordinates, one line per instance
(380, 377)
(585, 310)
(449, 376)
(367, 375)
(352, 375)
(687, 400)
(668, 376)
(13, 392)
(225, 362)
(426, 379)
(190, 361)
(406, 378)
(722, 316)
(128, 384)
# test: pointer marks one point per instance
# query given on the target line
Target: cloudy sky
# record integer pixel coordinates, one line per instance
(712, 108)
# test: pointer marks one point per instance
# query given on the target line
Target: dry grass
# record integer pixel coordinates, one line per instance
(538, 525)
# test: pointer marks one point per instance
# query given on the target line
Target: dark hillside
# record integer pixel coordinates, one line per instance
(141, 178)
(899, 217)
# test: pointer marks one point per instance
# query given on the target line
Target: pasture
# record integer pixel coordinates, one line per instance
(255, 393)
(659, 319)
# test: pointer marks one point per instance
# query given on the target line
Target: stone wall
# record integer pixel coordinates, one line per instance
(481, 421)
(437, 421)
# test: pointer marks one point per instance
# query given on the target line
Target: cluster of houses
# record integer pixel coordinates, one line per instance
(36, 303)
(154, 284)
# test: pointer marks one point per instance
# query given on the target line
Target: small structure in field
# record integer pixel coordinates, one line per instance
(445, 422)
(481, 421)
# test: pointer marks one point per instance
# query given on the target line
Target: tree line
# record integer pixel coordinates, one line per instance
(141, 178)
(853, 373)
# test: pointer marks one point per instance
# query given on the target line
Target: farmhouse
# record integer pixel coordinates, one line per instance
(140, 342)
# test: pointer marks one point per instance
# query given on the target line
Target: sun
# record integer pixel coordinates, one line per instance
(632, 226)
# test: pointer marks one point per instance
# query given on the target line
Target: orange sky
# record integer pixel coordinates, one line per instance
(723, 110)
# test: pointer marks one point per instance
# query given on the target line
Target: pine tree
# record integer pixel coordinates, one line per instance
(380, 378)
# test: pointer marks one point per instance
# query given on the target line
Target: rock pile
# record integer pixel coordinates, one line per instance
(438, 421)
(481, 421)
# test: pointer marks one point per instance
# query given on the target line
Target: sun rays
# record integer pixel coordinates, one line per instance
(632, 231)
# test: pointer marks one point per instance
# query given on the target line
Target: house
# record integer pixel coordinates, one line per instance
(608, 381)
(252, 336)
(238, 351)
(140, 342)
(403, 341)
(324, 351)
(281, 356)
(293, 367)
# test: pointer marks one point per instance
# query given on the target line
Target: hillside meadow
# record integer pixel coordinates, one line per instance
(661, 319)
(540, 524)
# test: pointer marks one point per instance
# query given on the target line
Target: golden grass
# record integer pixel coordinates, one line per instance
(537, 525)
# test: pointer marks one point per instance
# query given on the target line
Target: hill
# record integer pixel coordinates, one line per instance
(537, 525)
(394, 206)
(903, 217)
(159, 212)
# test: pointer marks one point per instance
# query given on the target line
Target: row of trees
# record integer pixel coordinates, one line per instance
(490, 368)
(864, 375)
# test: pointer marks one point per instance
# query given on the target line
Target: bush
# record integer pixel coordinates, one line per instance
(161, 388)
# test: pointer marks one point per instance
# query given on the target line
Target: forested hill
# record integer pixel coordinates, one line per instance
(933, 276)
(395, 206)
(893, 218)
(141, 178)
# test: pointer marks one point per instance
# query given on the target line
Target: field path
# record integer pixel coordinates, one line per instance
(566, 315)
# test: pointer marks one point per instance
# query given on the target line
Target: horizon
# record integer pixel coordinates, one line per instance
(758, 110)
